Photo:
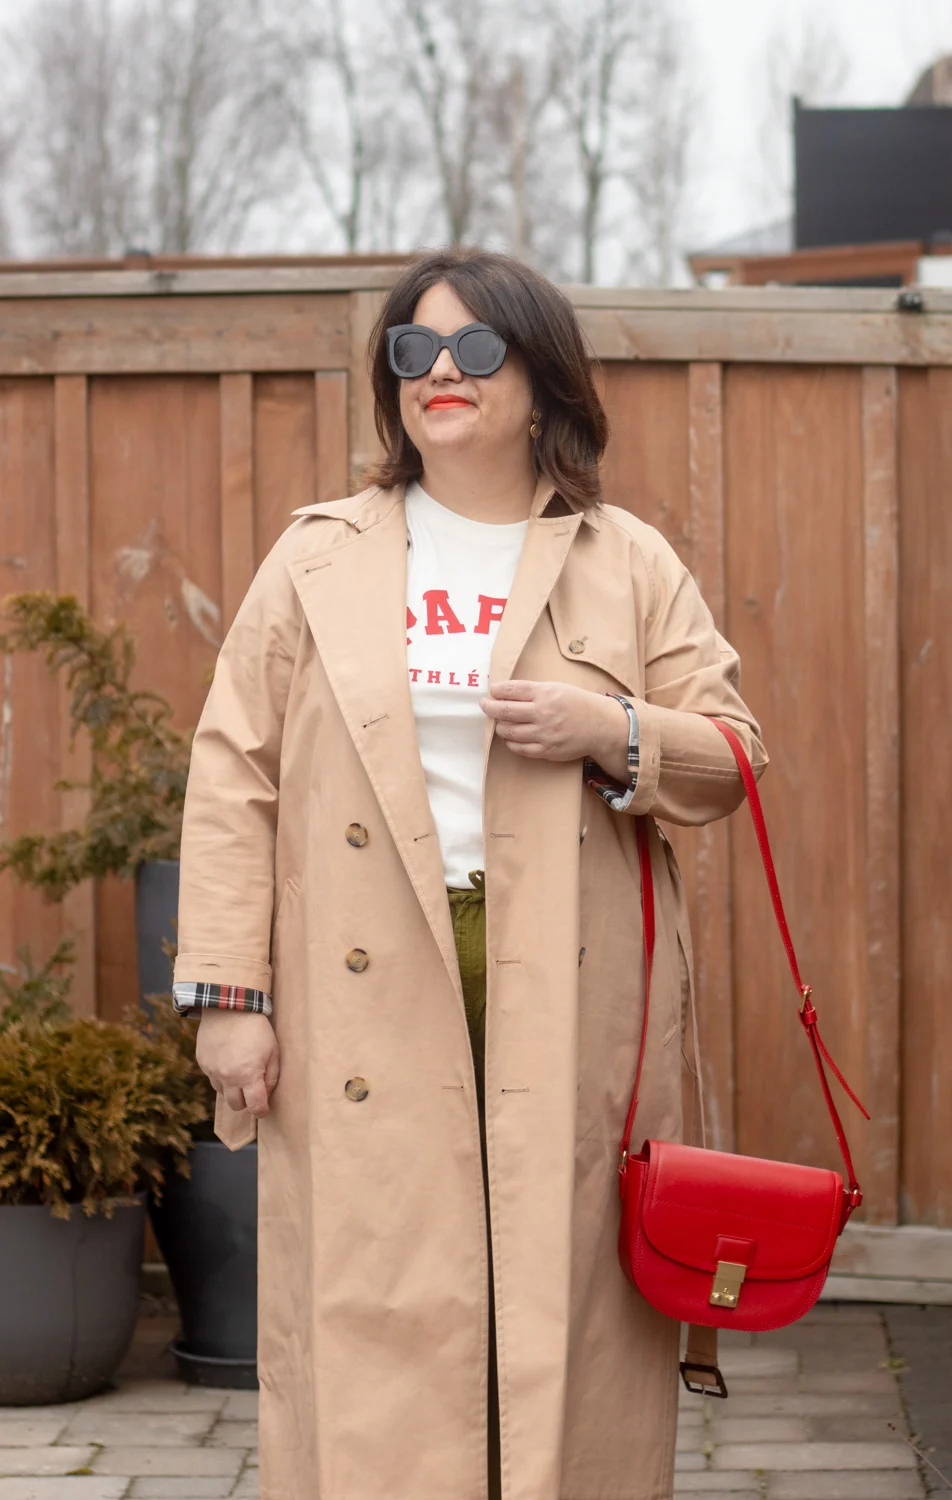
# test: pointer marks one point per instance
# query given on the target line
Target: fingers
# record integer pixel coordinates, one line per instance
(514, 689)
(234, 1097)
(518, 733)
(509, 711)
(256, 1098)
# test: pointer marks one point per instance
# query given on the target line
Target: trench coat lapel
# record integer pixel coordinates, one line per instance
(354, 599)
(544, 552)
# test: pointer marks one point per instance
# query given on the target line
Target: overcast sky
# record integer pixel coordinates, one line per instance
(888, 42)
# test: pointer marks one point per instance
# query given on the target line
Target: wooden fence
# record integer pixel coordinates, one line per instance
(157, 428)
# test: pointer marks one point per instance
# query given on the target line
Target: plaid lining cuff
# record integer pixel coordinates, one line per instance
(615, 793)
(188, 997)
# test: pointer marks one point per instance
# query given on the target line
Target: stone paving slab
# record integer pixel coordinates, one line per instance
(57, 1412)
(921, 1338)
(731, 1429)
(174, 1462)
(125, 1429)
(83, 1487)
(191, 1488)
(840, 1486)
(796, 1456)
(757, 1363)
(27, 1432)
(685, 1462)
(857, 1429)
(240, 1406)
(884, 1405)
(246, 1488)
(167, 1399)
(857, 1382)
(708, 1484)
(47, 1460)
(234, 1435)
(747, 1494)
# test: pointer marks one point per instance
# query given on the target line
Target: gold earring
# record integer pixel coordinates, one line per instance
(535, 430)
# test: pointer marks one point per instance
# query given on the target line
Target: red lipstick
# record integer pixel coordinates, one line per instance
(438, 401)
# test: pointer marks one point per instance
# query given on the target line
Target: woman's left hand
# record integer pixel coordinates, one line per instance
(554, 721)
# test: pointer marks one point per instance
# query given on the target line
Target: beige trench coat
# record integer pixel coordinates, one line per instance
(372, 1233)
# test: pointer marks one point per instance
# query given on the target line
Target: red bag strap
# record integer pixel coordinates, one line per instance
(808, 1015)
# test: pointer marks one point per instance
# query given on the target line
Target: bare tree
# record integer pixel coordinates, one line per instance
(532, 209)
(656, 173)
(806, 61)
(81, 149)
(333, 104)
(7, 146)
(451, 61)
(148, 123)
(596, 37)
(216, 125)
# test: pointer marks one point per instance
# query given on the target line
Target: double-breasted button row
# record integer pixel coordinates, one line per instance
(356, 1089)
(357, 960)
(356, 834)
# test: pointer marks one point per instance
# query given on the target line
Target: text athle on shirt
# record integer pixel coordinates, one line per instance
(459, 574)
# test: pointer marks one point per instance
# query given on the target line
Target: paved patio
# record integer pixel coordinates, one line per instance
(816, 1412)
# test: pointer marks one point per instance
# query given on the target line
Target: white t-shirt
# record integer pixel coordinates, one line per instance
(459, 573)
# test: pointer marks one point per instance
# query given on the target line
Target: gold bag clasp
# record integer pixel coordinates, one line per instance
(728, 1278)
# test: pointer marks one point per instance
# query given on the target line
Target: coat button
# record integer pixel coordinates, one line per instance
(357, 960)
(581, 955)
(581, 834)
(356, 1089)
(356, 834)
(576, 646)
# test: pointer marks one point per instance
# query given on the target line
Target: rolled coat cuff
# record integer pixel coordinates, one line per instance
(188, 998)
(686, 772)
(231, 969)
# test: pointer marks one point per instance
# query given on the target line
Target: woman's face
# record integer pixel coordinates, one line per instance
(491, 415)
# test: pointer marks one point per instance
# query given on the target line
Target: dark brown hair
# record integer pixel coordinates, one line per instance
(535, 318)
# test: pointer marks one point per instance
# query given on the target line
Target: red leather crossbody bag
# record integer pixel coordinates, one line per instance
(723, 1241)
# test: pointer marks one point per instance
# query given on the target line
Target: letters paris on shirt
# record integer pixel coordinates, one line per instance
(442, 619)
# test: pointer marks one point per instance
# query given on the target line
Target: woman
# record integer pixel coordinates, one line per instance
(409, 854)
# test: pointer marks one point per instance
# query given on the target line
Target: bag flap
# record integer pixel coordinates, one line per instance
(783, 1219)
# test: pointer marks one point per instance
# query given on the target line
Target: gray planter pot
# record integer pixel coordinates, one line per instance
(157, 890)
(207, 1229)
(69, 1293)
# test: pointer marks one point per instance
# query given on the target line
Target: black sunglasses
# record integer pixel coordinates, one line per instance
(412, 349)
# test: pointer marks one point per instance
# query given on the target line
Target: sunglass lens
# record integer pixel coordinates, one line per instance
(481, 351)
(412, 353)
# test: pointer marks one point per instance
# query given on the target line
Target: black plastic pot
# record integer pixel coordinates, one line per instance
(157, 890)
(69, 1293)
(207, 1229)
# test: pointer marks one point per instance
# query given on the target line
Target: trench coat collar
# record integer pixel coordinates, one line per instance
(353, 595)
(369, 506)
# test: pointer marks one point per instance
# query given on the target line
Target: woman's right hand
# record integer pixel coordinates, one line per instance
(238, 1052)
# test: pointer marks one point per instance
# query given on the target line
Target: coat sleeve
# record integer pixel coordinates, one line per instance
(686, 772)
(226, 888)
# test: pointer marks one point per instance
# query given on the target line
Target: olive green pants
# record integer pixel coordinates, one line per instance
(468, 908)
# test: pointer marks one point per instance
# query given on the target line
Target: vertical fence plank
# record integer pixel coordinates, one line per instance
(72, 507)
(364, 443)
(331, 477)
(237, 493)
(713, 956)
(883, 717)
